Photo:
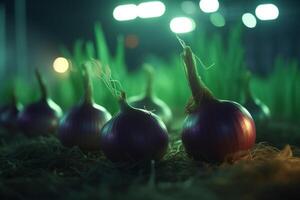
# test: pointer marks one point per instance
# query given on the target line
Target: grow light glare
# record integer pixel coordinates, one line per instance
(182, 25)
(61, 65)
(266, 12)
(209, 6)
(151, 9)
(249, 20)
(125, 12)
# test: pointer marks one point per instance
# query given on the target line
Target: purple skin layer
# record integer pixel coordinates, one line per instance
(81, 126)
(218, 129)
(40, 118)
(134, 135)
(8, 117)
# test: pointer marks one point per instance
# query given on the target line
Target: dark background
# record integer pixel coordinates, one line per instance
(53, 23)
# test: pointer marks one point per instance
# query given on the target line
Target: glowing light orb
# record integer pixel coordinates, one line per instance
(182, 25)
(267, 12)
(209, 6)
(151, 9)
(61, 65)
(249, 20)
(125, 12)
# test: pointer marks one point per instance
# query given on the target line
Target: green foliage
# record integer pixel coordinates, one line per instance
(229, 65)
(87, 51)
(280, 90)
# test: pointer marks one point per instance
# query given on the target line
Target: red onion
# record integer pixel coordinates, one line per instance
(259, 111)
(134, 135)
(42, 116)
(82, 124)
(149, 101)
(214, 129)
(9, 114)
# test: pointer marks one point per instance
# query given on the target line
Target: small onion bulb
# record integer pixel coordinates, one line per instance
(81, 125)
(41, 117)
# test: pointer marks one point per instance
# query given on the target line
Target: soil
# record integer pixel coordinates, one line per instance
(41, 168)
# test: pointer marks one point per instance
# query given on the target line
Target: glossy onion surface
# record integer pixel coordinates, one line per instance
(39, 118)
(134, 135)
(218, 129)
(81, 126)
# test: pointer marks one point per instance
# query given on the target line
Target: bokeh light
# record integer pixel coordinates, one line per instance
(209, 6)
(249, 20)
(61, 65)
(182, 25)
(151, 9)
(131, 41)
(267, 12)
(189, 7)
(217, 19)
(125, 12)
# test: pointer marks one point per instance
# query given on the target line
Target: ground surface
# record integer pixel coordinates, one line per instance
(41, 168)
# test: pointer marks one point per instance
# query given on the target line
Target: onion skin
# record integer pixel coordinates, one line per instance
(213, 129)
(134, 135)
(8, 116)
(217, 130)
(82, 124)
(41, 117)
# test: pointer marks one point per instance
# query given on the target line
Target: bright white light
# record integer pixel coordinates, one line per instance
(151, 9)
(249, 20)
(266, 12)
(182, 25)
(61, 65)
(209, 6)
(125, 12)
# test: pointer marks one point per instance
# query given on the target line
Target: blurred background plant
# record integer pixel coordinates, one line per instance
(279, 89)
